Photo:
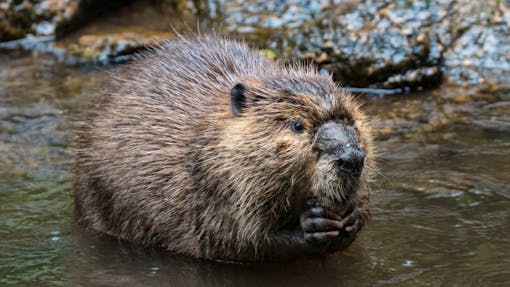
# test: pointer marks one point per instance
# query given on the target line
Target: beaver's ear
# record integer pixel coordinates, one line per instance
(238, 99)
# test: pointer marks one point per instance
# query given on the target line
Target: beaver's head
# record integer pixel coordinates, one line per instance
(297, 136)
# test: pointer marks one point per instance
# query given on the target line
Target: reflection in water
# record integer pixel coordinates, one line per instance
(441, 209)
(97, 264)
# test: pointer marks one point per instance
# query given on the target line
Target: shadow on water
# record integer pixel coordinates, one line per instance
(441, 210)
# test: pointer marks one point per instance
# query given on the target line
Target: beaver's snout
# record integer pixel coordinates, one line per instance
(340, 142)
(350, 161)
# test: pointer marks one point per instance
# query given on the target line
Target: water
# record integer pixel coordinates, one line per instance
(441, 209)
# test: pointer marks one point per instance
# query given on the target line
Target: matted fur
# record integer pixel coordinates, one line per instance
(161, 160)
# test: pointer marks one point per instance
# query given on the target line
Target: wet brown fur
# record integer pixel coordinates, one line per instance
(161, 160)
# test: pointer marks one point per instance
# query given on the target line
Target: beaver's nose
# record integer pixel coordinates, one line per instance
(350, 161)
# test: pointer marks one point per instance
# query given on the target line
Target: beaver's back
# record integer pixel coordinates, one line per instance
(138, 134)
(191, 75)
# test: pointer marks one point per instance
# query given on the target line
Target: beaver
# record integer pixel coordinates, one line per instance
(206, 148)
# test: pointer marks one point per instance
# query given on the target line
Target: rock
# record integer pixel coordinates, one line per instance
(46, 17)
(111, 48)
(480, 52)
(363, 43)
(110, 39)
(183, 7)
(394, 45)
(15, 19)
(381, 44)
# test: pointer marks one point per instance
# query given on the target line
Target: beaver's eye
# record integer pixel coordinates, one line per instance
(297, 127)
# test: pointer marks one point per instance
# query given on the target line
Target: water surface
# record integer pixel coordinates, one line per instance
(441, 207)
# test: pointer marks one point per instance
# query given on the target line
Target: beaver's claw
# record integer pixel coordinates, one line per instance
(326, 230)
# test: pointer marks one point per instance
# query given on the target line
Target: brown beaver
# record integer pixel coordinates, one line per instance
(205, 148)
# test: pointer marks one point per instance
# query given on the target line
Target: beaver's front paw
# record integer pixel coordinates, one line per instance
(324, 230)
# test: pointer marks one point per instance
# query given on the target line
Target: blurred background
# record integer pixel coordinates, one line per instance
(434, 75)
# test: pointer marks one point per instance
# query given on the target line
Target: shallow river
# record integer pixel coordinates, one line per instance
(441, 207)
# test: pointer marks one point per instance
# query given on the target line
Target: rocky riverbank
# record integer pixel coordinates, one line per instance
(395, 45)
